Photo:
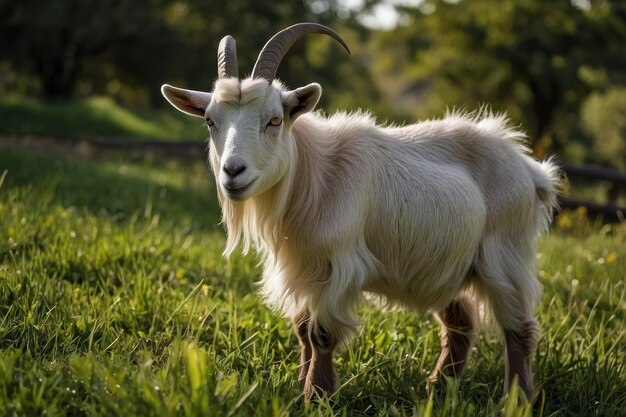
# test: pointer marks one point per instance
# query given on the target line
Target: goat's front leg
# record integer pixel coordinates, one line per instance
(320, 379)
(301, 325)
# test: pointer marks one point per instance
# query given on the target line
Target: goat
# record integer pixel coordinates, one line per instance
(436, 216)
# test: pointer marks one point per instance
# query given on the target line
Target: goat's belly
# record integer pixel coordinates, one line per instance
(423, 280)
(425, 256)
(428, 290)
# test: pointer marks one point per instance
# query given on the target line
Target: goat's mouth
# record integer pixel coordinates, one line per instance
(236, 192)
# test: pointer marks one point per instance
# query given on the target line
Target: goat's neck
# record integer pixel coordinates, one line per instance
(272, 218)
(315, 152)
(310, 175)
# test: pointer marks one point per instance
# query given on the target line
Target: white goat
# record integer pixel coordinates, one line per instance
(435, 216)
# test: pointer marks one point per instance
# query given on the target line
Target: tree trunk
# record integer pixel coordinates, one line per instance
(58, 76)
(545, 99)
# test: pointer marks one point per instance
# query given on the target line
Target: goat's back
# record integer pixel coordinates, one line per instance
(434, 191)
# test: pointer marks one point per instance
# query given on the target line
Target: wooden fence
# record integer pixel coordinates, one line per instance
(609, 211)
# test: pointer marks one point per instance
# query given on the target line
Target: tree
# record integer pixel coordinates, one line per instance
(313, 58)
(526, 56)
(58, 40)
(603, 117)
(139, 44)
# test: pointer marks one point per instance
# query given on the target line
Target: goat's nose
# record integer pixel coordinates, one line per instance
(234, 168)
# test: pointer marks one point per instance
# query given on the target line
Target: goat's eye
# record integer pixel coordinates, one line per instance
(276, 121)
(209, 122)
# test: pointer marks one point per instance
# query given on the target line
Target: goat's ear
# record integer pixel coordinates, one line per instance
(188, 101)
(301, 100)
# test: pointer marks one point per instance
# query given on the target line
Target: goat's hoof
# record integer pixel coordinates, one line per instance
(437, 382)
(435, 378)
(302, 383)
(315, 394)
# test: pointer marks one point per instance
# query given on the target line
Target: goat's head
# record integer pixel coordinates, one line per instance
(248, 119)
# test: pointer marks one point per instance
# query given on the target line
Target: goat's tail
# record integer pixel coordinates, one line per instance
(548, 179)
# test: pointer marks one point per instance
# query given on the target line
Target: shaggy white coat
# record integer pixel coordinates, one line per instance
(415, 214)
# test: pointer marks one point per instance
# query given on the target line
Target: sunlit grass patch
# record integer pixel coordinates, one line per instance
(94, 117)
(115, 300)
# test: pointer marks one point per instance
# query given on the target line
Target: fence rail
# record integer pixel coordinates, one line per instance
(608, 212)
(597, 173)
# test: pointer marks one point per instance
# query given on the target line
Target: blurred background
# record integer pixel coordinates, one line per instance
(83, 69)
(115, 299)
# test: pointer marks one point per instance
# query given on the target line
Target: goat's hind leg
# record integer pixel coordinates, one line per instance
(508, 280)
(520, 346)
(457, 335)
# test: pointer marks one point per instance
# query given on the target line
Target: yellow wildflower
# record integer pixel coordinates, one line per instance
(611, 257)
(564, 221)
(205, 289)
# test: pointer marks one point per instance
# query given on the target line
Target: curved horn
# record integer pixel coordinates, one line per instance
(227, 58)
(275, 49)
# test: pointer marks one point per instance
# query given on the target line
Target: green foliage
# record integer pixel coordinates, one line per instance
(64, 43)
(115, 300)
(128, 49)
(536, 60)
(603, 117)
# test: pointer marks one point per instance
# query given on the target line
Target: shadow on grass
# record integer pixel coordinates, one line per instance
(175, 197)
(117, 186)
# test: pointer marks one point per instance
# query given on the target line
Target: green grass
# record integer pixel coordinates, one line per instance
(115, 300)
(94, 117)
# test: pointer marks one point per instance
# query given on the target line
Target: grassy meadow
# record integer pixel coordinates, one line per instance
(115, 301)
(93, 117)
